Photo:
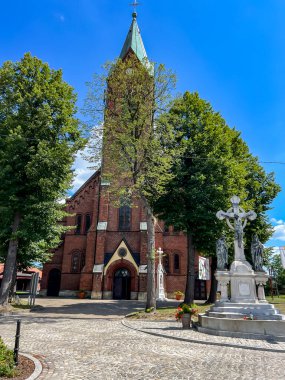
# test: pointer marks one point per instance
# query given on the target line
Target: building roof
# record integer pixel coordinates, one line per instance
(134, 42)
(27, 273)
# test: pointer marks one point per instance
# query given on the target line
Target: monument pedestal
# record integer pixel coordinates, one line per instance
(243, 287)
(223, 279)
(243, 313)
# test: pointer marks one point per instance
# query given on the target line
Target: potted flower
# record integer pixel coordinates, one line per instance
(184, 313)
(81, 293)
(178, 295)
(249, 317)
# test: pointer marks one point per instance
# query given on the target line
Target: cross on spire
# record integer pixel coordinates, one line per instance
(135, 4)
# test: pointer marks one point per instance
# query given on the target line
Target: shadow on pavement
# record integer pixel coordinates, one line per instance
(69, 306)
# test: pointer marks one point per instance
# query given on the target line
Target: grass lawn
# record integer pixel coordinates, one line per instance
(165, 313)
(278, 302)
(21, 304)
(168, 313)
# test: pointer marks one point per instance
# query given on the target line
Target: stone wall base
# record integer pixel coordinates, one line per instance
(134, 296)
(107, 295)
(67, 293)
(142, 296)
(241, 328)
(96, 295)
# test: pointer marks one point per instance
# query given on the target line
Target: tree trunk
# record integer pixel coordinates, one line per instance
(151, 296)
(10, 263)
(12, 290)
(214, 284)
(190, 280)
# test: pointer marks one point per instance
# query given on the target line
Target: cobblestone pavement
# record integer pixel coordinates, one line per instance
(172, 329)
(96, 345)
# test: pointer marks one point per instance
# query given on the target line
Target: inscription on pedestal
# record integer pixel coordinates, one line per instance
(244, 289)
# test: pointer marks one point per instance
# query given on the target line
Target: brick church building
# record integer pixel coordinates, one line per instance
(105, 254)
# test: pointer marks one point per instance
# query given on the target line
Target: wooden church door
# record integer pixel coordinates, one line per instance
(122, 285)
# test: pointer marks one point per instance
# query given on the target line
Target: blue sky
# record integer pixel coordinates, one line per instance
(231, 52)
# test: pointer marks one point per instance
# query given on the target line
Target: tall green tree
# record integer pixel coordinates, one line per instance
(135, 161)
(261, 189)
(212, 164)
(40, 136)
(273, 263)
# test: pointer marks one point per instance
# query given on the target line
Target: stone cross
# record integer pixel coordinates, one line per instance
(160, 277)
(240, 218)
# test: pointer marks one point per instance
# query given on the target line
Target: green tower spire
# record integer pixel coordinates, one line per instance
(134, 41)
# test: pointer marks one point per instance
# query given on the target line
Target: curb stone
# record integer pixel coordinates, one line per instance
(38, 366)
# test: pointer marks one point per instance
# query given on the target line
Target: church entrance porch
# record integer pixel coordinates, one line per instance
(122, 284)
(120, 281)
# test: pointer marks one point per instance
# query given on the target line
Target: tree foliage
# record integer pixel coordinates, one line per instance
(274, 266)
(136, 163)
(212, 164)
(39, 138)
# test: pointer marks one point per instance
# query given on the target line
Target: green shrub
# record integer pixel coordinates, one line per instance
(7, 366)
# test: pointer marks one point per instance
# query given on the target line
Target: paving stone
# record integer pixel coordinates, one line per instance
(79, 346)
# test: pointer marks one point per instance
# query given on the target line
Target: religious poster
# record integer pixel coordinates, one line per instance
(204, 268)
(282, 254)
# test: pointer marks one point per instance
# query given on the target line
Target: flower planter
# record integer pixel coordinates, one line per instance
(178, 297)
(81, 295)
(186, 321)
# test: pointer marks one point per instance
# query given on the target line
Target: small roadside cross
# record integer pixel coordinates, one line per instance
(160, 253)
(240, 218)
(160, 294)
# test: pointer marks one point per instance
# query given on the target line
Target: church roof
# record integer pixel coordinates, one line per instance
(134, 41)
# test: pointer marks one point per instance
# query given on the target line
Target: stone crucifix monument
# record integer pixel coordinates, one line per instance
(160, 293)
(229, 315)
(241, 275)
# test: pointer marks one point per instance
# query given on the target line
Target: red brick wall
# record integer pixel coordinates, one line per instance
(92, 200)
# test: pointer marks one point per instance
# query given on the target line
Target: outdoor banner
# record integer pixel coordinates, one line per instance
(282, 254)
(204, 268)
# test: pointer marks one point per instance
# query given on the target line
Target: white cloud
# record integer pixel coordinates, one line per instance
(81, 176)
(60, 17)
(275, 221)
(279, 232)
(61, 201)
(279, 229)
(82, 171)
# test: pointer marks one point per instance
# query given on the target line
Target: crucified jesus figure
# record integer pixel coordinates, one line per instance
(240, 218)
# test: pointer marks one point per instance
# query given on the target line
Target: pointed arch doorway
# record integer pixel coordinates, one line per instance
(54, 278)
(122, 284)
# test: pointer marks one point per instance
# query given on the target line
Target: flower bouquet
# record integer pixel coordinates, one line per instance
(184, 313)
(249, 317)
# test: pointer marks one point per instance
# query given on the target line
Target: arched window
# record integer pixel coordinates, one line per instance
(166, 263)
(78, 224)
(76, 262)
(124, 218)
(176, 262)
(87, 223)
